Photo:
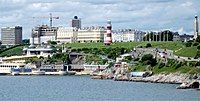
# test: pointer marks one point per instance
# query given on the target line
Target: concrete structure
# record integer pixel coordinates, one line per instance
(11, 35)
(38, 51)
(127, 35)
(196, 27)
(91, 34)
(76, 22)
(108, 34)
(43, 34)
(67, 35)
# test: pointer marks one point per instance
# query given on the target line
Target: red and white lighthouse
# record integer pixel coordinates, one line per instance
(108, 34)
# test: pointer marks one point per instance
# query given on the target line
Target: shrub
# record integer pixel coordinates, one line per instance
(147, 57)
(136, 59)
(148, 45)
(195, 44)
(178, 65)
(148, 60)
(188, 44)
(198, 54)
(198, 47)
(161, 65)
(197, 64)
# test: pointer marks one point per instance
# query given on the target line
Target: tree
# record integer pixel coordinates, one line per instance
(188, 44)
(148, 60)
(198, 39)
(51, 42)
(26, 41)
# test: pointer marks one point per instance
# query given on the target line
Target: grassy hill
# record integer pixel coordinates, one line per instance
(167, 45)
(187, 51)
(178, 47)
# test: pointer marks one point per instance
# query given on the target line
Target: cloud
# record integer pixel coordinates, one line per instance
(136, 14)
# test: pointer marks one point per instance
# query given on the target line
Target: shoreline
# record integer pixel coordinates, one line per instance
(184, 80)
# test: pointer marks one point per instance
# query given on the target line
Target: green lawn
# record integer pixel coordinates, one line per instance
(167, 45)
(178, 47)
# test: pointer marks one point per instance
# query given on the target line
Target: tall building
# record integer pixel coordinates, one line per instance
(76, 22)
(196, 27)
(43, 34)
(11, 35)
(108, 34)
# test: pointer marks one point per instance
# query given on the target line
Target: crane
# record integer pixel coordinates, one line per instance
(50, 18)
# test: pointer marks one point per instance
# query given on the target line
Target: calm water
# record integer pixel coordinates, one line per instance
(77, 88)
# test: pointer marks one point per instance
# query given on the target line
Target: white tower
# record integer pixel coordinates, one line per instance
(196, 27)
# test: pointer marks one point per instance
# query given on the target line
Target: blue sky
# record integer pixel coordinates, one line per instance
(176, 15)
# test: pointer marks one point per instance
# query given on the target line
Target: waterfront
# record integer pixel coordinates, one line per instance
(83, 88)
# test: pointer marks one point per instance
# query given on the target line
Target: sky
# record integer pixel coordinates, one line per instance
(145, 15)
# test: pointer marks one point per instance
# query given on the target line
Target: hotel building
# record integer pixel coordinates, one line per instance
(127, 35)
(67, 35)
(91, 34)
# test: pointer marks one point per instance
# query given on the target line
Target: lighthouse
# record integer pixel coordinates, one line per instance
(108, 34)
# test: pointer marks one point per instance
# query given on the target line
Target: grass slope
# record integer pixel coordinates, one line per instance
(187, 51)
(13, 51)
(167, 45)
(178, 47)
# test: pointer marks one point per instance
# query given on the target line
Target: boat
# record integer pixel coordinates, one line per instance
(10, 68)
(56, 73)
(38, 72)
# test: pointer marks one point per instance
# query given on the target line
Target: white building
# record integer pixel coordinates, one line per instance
(91, 34)
(67, 35)
(127, 35)
(43, 39)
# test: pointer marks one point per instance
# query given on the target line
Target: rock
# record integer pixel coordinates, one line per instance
(186, 85)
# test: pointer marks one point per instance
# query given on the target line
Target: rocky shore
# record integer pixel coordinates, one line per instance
(186, 81)
(164, 78)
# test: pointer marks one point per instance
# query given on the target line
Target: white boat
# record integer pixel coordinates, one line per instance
(38, 72)
(10, 68)
(15, 73)
(56, 73)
